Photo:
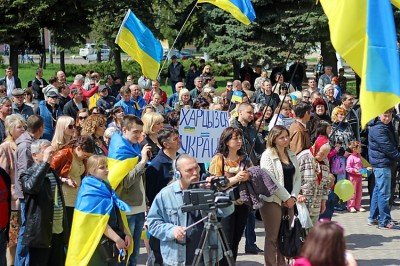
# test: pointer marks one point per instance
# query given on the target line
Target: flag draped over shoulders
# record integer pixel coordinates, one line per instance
(138, 42)
(122, 158)
(363, 33)
(242, 10)
(94, 203)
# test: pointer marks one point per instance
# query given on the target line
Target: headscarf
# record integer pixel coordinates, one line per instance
(319, 142)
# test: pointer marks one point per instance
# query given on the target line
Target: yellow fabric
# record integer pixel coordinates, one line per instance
(229, 7)
(83, 245)
(93, 100)
(396, 3)
(128, 43)
(119, 169)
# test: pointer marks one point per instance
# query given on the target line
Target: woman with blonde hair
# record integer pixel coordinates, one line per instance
(64, 132)
(15, 126)
(95, 126)
(152, 124)
(96, 193)
(282, 166)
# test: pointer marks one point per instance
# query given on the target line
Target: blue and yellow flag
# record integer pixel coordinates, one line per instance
(242, 10)
(237, 97)
(138, 42)
(93, 207)
(122, 158)
(363, 33)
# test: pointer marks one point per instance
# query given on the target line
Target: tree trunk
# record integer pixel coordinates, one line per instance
(329, 55)
(118, 64)
(50, 49)
(236, 69)
(14, 59)
(42, 62)
(62, 61)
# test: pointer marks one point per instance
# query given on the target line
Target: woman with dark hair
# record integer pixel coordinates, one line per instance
(173, 119)
(281, 165)
(325, 246)
(81, 115)
(201, 103)
(231, 161)
(69, 164)
(95, 126)
(319, 115)
(117, 113)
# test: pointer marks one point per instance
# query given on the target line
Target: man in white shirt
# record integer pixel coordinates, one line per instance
(10, 81)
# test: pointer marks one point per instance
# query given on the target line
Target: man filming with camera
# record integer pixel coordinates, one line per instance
(167, 221)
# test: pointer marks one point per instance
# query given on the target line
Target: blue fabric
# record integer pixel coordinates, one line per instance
(21, 253)
(135, 223)
(96, 197)
(127, 106)
(174, 98)
(381, 196)
(120, 148)
(250, 233)
(48, 120)
(382, 145)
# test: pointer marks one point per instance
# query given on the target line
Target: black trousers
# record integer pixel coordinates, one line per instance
(233, 226)
(53, 256)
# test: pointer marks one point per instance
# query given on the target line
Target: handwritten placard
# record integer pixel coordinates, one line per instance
(200, 131)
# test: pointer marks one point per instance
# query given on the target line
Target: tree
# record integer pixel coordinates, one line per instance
(18, 29)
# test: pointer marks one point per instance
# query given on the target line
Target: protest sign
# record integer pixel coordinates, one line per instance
(200, 131)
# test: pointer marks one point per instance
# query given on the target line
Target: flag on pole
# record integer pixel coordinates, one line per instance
(138, 42)
(242, 10)
(363, 33)
(122, 158)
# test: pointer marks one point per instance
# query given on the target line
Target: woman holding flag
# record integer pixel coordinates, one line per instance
(97, 219)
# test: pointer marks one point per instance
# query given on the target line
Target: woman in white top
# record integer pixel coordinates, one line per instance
(282, 166)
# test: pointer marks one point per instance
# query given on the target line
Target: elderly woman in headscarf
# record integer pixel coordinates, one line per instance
(315, 177)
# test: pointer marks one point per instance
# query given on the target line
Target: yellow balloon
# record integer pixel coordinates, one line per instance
(344, 189)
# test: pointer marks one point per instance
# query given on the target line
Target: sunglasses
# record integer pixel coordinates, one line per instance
(229, 85)
(82, 117)
(71, 126)
(53, 97)
(2, 91)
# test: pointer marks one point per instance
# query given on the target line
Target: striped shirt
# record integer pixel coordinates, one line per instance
(58, 207)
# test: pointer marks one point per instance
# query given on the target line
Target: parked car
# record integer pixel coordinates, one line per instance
(105, 56)
(90, 48)
(179, 54)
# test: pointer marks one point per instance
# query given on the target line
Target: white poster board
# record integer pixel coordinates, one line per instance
(200, 131)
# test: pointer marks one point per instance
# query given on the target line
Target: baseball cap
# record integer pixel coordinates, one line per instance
(17, 92)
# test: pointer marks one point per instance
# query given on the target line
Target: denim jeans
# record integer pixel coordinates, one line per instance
(381, 196)
(21, 253)
(250, 233)
(136, 223)
(333, 199)
(3, 247)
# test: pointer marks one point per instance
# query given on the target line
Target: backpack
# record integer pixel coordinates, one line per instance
(338, 164)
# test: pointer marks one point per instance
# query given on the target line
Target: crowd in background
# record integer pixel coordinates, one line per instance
(305, 133)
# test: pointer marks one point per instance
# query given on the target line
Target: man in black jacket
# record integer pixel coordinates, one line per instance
(45, 232)
(38, 83)
(176, 73)
(10, 81)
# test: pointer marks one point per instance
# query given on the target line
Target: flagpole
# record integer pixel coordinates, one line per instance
(173, 44)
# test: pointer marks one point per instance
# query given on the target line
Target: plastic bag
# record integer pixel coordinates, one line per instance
(304, 215)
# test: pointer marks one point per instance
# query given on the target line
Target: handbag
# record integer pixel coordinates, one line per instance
(291, 235)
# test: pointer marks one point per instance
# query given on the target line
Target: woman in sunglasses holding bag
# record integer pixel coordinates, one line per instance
(230, 161)
(282, 166)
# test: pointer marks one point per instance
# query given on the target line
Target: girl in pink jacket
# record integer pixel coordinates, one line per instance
(354, 168)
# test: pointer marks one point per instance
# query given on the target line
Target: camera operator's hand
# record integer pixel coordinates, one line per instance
(179, 233)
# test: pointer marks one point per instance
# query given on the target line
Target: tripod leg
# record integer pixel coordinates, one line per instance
(225, 246)
(200, 247)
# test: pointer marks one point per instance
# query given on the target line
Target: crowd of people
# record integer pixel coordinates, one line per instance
(55, 139)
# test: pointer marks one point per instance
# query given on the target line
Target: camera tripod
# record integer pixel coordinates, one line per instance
(212, 224)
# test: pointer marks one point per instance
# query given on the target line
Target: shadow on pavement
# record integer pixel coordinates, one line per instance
(360, 241)
(386, 262)
(248, 263)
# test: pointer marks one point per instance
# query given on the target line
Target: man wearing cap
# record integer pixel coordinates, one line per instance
(78, 84)
(38, 84)
(105, 102)
(176, 73)
(49, 110)
(10, 81)
(72, 107)
(18, 106)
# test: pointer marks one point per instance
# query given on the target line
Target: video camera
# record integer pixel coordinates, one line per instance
(208, 199)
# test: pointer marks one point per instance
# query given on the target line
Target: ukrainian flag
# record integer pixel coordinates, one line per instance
(138, 42)
(94, 203)
(242, 10)
(122, 158)
(363, 33)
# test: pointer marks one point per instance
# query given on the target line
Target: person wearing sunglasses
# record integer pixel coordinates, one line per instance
(2, 91)
(5, 110)
(49, 110)
(72, 107)
(64, 132)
